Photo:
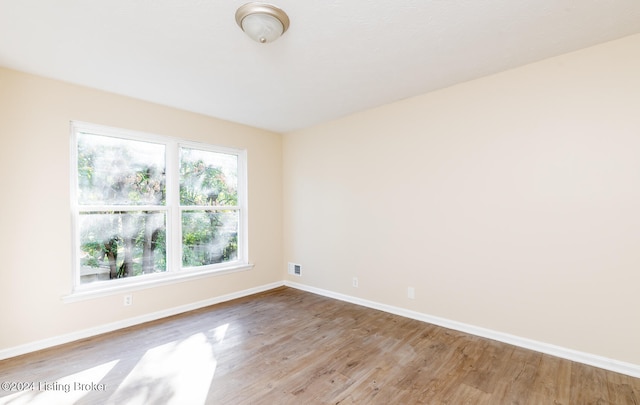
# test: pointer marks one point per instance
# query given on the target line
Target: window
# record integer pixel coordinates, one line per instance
(149, 208)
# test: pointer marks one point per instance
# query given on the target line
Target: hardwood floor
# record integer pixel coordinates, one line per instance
(291, 347)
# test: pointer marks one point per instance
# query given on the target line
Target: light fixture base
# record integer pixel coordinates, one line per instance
(262, 22)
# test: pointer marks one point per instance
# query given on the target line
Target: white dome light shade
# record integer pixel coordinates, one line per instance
(262, 27)
(262, 22)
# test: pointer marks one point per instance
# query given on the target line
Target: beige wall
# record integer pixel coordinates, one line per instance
(35, 234)
(510, 203)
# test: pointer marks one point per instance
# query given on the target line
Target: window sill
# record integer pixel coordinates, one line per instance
(91, 291)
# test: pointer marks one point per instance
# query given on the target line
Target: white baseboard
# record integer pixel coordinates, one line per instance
(71, 337)
(617, 366)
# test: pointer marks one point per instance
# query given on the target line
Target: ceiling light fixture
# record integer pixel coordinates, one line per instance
(262, 22)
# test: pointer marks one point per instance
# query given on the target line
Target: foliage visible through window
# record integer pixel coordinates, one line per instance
(209, 189)
(126, 205)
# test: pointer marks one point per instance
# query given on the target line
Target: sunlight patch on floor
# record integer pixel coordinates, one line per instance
(174, 373)
(66, 390)
(219, 332)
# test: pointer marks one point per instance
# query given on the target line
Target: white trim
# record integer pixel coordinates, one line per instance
(110, 287)
(617, 366)
(243, 200)
(70, 337)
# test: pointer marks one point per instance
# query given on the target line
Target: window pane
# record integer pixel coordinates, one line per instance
(208, 178)
(209, 237)
(121, 244)
(120, 171)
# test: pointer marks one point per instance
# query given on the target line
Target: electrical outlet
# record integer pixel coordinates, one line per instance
(411, 293)
(127, 300)
(355, 282)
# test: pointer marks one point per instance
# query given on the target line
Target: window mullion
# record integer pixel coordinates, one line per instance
(243, 198)
(174, 250)
(121, 208)
(210, 208)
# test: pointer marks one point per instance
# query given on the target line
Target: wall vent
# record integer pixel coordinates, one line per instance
(295, 269)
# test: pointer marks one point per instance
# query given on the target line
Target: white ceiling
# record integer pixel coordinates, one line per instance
(338, 57)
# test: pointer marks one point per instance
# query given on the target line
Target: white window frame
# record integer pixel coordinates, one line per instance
(174, 272)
